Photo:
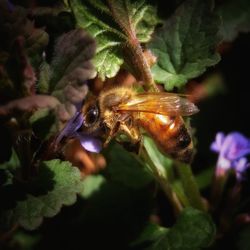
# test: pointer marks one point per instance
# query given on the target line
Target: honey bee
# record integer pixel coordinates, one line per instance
(121, 110)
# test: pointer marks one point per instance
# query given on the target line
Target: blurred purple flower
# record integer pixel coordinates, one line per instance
(240, 167)
(231, 149)
(88, 142)
(10, 6)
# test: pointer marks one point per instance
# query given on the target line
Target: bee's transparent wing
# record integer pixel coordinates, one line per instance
(160, 103)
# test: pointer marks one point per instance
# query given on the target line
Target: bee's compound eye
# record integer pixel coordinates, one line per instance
(92, 116)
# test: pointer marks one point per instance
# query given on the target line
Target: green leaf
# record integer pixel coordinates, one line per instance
(110, 25)
(161, 162)
(185, 45)
(24, 240)
(108, 58)
(13, 163)
(7, 170)
(151, 233)
(124, 168)
(72, 60)
(235, 19)
(91, 185)
(146, 20)
(192, 231)
(70, 68)
(62, 182)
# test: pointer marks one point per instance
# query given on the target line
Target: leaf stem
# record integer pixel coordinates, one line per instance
(190, 186)
(163, 182)
(6, 235)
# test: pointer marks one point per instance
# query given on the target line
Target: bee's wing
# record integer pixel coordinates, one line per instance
(160, 103)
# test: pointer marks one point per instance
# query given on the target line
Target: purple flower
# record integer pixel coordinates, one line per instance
(231, 149)
(240, 167)
(10, 6)
(88, 142)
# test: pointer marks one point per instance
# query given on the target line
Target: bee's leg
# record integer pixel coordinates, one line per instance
(112, 133)
(134, 135)
(114, 126)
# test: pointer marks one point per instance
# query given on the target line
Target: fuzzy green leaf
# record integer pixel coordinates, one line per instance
(7, 170)
(193, 230)
(110, 25)
(72, 60)
(70, 68)
(185, 45)
(108, 57)
(13, 163)
(61, 181)
(124, 168)
(44, 78)
(91, 185)
(235, 19)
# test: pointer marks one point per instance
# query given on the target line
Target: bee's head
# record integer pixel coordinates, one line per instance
(91, 118)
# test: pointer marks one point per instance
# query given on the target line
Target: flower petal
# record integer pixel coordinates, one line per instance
(232, 149)
(240, 167)
(235, 146)
(223, 163)
(71, 127)
(90, 143)
(217, 144)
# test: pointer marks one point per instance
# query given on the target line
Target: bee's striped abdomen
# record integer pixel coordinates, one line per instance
(170, 134)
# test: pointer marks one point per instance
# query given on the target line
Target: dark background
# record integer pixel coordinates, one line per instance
(228, 111)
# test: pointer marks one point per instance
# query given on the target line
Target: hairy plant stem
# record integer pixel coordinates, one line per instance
(190, 186)
(140, 62)
(163, 182)
(219, 181)
(142, 65)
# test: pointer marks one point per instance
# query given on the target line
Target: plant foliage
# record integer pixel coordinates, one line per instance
(55, 57)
